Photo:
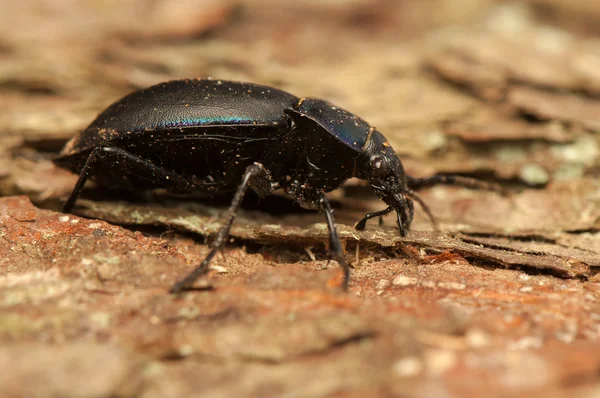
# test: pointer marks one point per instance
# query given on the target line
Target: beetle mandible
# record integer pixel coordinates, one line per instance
(216, 136)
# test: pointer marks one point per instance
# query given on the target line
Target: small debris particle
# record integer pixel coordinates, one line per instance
(565, 337)
(526, 289)
(434, 140)
(94, 225)
(408, 367)
(584, 150)
(75, 221)
(218, 269)
(310, 253)
(590, 297)
(526, 343)
(63, 218)
(101, 319)
(452, 285)
(428, 284)
(477, 338)
(86, 261)
(186, 350)
(511, 154)
(402, 280)
(188, 312)
(382, 284)
(534, 174)
(439, 362)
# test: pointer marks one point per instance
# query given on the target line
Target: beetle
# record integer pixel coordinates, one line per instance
(216, 136)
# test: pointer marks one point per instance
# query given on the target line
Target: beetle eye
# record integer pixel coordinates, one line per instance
(379, 166)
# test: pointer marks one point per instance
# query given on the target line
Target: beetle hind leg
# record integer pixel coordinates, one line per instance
(256, 177)
(129, 165)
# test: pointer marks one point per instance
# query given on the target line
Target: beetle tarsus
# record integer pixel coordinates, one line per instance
(200, 270)
(255, 175)
(363, 223)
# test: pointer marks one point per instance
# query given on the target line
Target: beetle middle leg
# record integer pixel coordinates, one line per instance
(335, 245)
(256, 177)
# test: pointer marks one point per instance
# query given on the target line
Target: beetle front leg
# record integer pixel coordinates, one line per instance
(256, 177)
(335, 245)
(363, 223)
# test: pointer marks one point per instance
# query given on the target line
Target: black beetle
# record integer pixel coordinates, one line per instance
(214, 136)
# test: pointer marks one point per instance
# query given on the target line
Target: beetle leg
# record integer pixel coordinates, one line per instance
(255, 176)
(108, 157)
(418, 183)
(335, 245)
(261, 182)
(83, 176)
(363, 223)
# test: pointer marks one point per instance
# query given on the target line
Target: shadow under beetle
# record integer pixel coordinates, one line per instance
(213, 137)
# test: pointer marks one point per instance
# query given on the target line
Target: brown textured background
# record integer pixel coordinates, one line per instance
(503, 301)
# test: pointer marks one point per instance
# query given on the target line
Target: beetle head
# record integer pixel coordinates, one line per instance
(381, 166)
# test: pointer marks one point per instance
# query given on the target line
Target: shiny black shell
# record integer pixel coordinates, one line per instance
(184, 104)
(348, 128)
(214, 129)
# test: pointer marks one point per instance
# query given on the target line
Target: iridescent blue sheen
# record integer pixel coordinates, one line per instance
(215, 120)
(347, 127)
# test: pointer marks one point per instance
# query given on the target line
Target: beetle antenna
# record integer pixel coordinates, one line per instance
(451, 179)
(413, 195)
